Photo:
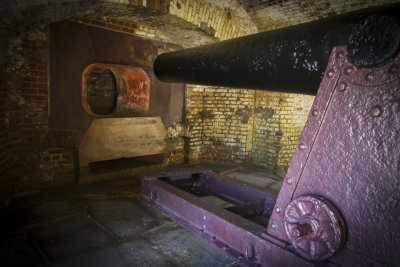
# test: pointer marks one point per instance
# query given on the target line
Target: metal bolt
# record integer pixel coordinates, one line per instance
(303, 146)
(330, 74)
(278, 210)
(289, 180)
(315, 113)
(302, 230)
(342, 86)
(376, 111)
(369, 76)
(273, 226)
(348, 70)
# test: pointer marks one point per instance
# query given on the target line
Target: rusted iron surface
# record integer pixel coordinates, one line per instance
(314, 227)
(349, 154)
(133, 88)
(234, 235)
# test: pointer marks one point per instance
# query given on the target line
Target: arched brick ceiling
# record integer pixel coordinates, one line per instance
(16, 18)
(273, 14)
(185, 22)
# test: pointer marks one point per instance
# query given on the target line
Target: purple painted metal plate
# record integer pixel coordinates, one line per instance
(349, 153)
(242, 239)
(314, 227)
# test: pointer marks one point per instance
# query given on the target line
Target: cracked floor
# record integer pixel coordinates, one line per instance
(103, 224)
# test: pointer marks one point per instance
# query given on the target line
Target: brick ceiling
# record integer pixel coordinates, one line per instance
(272, 14)
(185, 22)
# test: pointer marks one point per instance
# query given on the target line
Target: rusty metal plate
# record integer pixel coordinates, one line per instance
(133, 88)
(349, 153)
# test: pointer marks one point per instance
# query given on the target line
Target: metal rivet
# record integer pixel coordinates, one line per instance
(278, 210)
(330, 74)
(302, 146)
(376, 111)
(342, 86)
(348, 70)
(315, 113)
(289, 180)
(273, 226)
(369, 76)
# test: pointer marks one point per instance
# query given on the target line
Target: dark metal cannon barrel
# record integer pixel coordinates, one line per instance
(291, 59)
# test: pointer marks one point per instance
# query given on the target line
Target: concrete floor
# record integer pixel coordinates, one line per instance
(103, 224)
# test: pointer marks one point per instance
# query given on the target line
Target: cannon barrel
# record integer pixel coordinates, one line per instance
(291, 59)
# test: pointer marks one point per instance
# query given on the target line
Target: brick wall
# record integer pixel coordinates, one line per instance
(27, 106)
(118, 25)
(194, 100)
(57, 165)
(279, 120)
(244, 126)
(227, 124)
(5, 143)
(39, 156)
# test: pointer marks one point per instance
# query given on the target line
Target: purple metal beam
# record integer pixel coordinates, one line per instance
(235, 236)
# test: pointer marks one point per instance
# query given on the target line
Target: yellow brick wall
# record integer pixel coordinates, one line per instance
(244, 126)
(227, 124)
(279, 119)
(194, 121)
(222, 19)
(220, 123)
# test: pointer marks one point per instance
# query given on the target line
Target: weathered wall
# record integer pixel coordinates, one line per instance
(35, 154)
(279, 120)
(220, 123)
(5, 142)
(244, 126)
(27, 84)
